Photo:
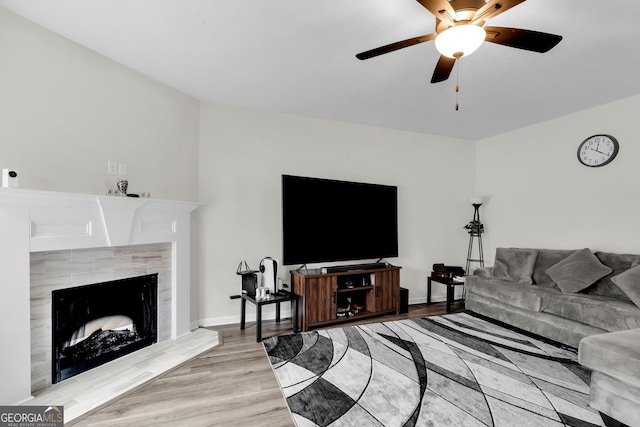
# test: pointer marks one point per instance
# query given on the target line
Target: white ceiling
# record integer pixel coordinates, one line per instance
(298, 56)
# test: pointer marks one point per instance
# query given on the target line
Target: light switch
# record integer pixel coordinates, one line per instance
(112, 167)
(122, 168)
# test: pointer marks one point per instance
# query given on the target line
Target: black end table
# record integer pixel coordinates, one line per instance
(449, 283)
(272, 299)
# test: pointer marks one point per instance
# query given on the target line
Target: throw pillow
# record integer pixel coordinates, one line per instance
(578, 271)
(515, 264)
(619, 263)
(629, 282)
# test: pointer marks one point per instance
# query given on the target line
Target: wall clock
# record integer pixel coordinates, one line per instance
(598, 150)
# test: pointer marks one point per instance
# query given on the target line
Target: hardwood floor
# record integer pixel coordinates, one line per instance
(231, 385)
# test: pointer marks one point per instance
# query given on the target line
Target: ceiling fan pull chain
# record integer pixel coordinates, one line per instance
(457, 81)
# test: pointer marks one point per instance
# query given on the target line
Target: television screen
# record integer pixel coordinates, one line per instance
(325, 220)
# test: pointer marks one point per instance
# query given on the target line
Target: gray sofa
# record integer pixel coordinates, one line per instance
(614, 359)
(568, 296)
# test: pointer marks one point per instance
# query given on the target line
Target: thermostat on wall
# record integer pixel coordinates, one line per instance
(9, 178)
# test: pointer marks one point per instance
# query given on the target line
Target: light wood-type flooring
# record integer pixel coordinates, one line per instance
(231, 385)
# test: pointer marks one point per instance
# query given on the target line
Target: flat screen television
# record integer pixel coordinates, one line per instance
(325, 220)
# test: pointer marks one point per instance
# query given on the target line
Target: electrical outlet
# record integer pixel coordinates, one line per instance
(122, 168)
(112, 167)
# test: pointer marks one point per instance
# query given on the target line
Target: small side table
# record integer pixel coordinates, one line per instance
(272, 299)
(449, 283)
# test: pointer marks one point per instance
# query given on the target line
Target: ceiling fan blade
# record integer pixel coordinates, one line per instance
(441, 9)
(494, 8)
(443, 69)
(395, 46)
(522, 39)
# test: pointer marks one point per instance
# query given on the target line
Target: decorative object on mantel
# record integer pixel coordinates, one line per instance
(475, 230)
(122, 185)
(118, 192)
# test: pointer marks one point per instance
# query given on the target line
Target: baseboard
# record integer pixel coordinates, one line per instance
(285, 314)
(250, 317)
(423, 300)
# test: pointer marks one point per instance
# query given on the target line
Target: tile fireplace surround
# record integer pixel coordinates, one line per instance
(42, 222)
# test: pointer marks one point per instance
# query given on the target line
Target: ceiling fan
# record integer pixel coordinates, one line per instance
(460, 31)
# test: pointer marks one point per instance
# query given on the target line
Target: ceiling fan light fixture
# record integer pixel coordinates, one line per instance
(460, 40)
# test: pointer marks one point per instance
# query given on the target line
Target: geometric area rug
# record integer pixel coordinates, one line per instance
(452, 370)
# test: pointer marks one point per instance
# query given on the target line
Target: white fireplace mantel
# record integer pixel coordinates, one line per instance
(37, 221)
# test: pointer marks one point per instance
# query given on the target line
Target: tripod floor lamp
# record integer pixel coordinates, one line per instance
(475, 230)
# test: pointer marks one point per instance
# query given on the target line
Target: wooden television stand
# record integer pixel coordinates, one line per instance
(329, 298)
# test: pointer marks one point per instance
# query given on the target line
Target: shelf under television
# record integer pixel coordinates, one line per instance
(360, 316)
(355, 289)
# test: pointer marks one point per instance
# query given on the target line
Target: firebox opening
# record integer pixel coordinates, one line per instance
(113, 323)
(95, 324)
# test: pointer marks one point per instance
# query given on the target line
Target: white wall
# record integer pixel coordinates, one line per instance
(65, 111)
(542, 197)
(243, 154)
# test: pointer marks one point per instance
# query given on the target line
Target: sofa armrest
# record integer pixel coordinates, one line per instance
(483, 272)
(614, 358)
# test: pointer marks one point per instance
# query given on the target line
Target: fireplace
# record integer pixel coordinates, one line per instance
(95, 324)
(60, 240)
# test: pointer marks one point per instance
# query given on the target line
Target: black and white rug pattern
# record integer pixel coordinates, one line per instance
(453, 370)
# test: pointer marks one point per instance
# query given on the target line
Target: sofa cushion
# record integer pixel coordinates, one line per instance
(616, 354)
(629, 283)
(547, 258)
(606, 313)
(619, 263)
(509, 292)
(578, 271)
(514, 264)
